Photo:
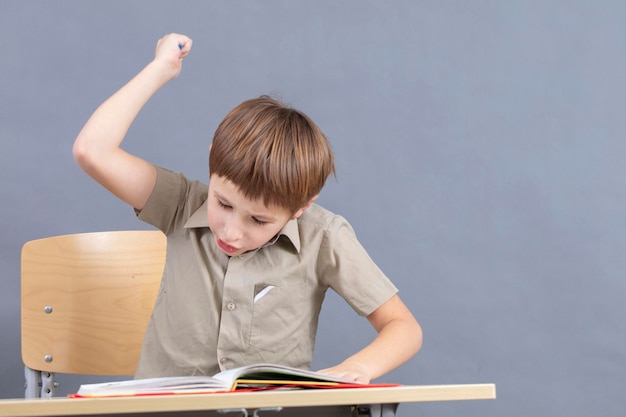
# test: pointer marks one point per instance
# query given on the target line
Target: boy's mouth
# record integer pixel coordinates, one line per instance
(226, 247)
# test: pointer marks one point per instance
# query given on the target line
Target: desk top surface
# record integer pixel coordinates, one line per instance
(219, 401)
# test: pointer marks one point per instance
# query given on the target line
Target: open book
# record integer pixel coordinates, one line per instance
(252, 377)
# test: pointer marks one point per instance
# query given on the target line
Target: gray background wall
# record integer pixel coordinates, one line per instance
(480, 150)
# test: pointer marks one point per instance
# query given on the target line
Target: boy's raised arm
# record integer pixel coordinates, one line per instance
(97, 147)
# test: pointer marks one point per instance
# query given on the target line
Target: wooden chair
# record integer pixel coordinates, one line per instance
(86, 302)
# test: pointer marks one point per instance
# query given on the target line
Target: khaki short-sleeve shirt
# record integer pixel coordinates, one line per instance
(215, 312)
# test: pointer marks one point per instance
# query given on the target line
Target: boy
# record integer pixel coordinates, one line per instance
(250, 256)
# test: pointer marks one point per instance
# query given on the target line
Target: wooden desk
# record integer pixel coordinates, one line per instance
(188, 404)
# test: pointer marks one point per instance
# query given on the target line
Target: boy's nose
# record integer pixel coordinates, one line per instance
(232, 231)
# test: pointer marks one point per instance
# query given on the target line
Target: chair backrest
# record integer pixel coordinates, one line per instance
(87, 299)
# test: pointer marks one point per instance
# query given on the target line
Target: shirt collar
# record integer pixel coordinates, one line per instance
(199, 219)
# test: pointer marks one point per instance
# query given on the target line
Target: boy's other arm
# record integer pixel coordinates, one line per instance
(97, 147)
(399, 338)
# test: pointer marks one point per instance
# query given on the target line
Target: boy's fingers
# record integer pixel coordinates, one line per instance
(168, 41)
(185, 46)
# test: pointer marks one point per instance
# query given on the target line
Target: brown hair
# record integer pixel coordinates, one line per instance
(272, 152)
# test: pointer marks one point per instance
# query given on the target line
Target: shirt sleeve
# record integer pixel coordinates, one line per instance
(345, 266)
(172, 201)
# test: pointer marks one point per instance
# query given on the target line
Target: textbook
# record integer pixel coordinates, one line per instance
(245, 378)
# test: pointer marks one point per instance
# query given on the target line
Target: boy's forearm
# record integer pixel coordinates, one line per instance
(399, 338)
(106, 128)
(396, 343)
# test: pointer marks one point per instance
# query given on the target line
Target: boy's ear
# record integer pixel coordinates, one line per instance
(298, 213)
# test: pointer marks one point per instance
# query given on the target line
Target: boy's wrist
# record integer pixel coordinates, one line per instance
(361, 370)
(161, 71)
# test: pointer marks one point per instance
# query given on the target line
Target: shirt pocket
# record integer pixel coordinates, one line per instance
(279, 318)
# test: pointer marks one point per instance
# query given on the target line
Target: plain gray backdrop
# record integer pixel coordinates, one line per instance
(480, 150)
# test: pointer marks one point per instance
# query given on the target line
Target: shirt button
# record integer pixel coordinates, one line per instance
(230, 305)
(223, 361)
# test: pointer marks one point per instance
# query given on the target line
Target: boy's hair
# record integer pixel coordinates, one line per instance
(272, 152)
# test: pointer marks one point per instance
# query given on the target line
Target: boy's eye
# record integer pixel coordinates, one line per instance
(225, 206)
(222, 205)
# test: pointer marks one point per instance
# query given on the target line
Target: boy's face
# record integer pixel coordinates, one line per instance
(239, 224)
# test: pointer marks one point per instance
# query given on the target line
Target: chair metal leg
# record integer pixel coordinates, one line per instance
(32, 384)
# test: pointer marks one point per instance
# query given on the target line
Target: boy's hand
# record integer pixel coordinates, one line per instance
(170, 50)
(352, 371)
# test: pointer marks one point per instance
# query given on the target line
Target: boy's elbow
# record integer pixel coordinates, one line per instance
(418, 338)
(82, 153)
(413, 337)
